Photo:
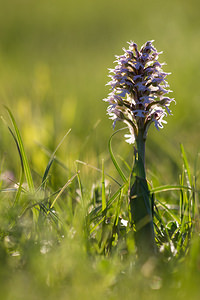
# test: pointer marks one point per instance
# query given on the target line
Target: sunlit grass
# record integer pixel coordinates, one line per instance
(76, 241)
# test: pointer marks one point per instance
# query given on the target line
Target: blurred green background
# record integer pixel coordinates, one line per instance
(54, 57)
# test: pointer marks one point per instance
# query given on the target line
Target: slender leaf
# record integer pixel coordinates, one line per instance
(97, 169)
(95, 213)
(169, 211)
(62, 190)
(119, 170)
(79, 183)
(186, 165)
(52, 159)
(21, 149)
(167, 188)
(103, 191)
(97, 224)
(20, 188)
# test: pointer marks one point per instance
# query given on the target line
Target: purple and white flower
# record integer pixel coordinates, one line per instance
(138, 90)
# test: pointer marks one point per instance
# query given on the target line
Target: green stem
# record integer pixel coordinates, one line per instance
(140, 202)
(140, 157)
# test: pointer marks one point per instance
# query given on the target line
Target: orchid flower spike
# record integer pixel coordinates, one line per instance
(138, 90)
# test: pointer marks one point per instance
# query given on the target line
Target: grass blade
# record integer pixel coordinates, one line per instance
(52, 159)
(103, 192)
(62, 190)
(22, 153)
(168, 210)
(167, 188)
(20, 188)
(98, 170)
(96, 212)
(186, 165)
(119, 170)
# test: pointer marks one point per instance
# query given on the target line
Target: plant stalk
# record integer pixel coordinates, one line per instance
(141, 203)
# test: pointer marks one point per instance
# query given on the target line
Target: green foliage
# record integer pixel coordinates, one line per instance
(70, 243)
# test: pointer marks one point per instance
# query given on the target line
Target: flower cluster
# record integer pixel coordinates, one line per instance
(138, 90)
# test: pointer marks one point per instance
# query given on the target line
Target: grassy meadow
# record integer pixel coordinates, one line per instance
(56, 161)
